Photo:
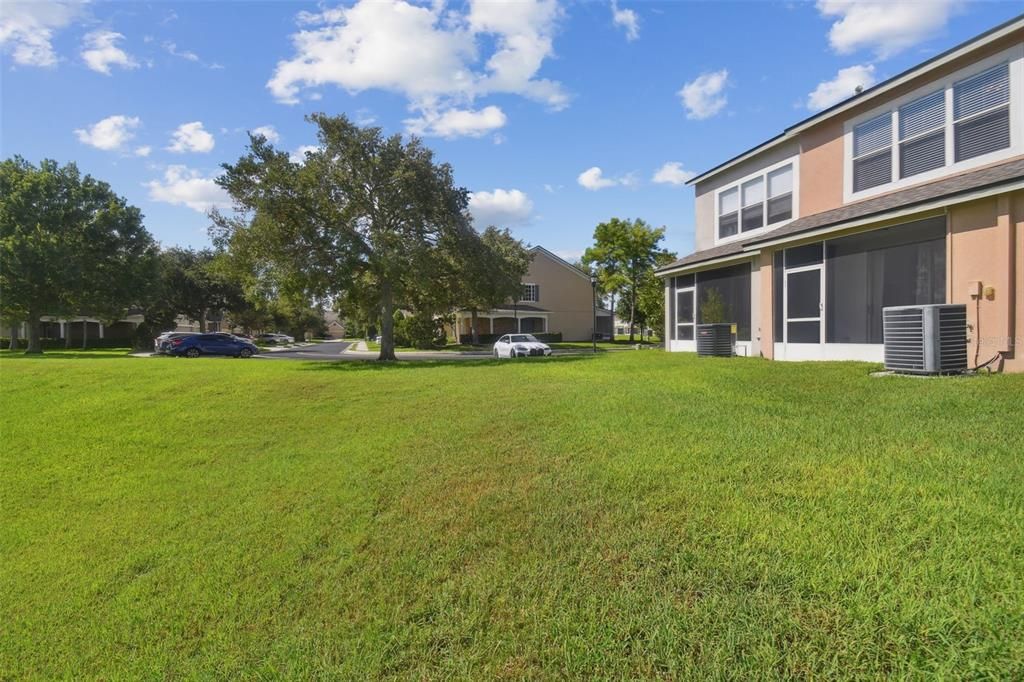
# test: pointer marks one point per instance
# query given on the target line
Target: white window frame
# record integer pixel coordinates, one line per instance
(532, 288)
(1013, 56)
(763, 173)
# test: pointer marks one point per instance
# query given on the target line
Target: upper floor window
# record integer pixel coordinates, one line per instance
(981, 112)
(765, 199)
(531, 293)
(921, 135)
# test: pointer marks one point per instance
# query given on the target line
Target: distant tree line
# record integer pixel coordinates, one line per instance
(368, 225)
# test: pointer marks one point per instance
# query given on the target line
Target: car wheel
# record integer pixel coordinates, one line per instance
(245, 353)
(192, 353)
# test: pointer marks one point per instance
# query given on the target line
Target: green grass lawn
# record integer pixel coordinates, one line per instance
(620, 516)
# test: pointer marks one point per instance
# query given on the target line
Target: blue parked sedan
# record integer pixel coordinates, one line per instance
(212, 344)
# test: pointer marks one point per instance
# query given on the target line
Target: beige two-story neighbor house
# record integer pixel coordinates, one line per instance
(910, 192)
(557, 298)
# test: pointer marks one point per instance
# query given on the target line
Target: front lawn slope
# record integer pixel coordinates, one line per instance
(635, 514)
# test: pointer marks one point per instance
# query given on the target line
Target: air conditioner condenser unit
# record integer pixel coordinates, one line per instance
(925, 339)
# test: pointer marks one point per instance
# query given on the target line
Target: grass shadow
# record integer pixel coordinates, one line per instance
(404, 365)
(98, 354)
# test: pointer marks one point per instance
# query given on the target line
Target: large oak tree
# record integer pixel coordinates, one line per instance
(363, 218)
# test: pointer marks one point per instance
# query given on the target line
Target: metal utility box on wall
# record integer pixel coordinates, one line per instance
(925, 339)
(715, 339)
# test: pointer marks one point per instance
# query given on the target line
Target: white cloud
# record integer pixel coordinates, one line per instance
(187, 55)
(110, 134)
(885, 27)
(439, 59)
(269, 132)
(100, 52)
(627, 19)
(703, 96)
(571, 255)
(457, 122)
(190, 137)
(27, 28)
(143, 150)
(501, 207)
(299, 155)
(183, 186)
(594, 179)
(673, 173)
(841, 87)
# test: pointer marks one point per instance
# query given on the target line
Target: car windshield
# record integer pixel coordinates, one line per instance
(523, 338)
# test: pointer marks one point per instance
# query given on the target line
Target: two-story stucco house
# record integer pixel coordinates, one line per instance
(910, 192)
(557, 298)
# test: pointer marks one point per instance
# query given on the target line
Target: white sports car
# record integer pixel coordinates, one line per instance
(519, 346)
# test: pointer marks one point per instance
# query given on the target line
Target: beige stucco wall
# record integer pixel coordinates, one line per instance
(704, 200)
(985, 246)
(565, 294)
(765, 330)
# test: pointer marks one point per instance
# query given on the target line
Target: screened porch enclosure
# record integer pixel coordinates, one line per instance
(833, 292)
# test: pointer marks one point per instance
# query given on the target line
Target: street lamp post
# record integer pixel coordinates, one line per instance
(593, 335)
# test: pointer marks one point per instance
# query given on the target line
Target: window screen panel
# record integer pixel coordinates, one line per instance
(780, 208)
(685, 332)
(753, 192)
(684, 306)
(923, 115)
(872, 135)
(803, 332)
(982, 135)
(777, 268)
(753, 217)
(733, 287)
(809, 254)
(803, 294)
(728, 201)
(728, 225)
(780, 181)
(901, 265)
(922, 154)
(684, 281)
(986, 90)
(872, 171)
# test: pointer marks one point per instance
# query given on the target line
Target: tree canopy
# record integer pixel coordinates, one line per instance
(68, 244)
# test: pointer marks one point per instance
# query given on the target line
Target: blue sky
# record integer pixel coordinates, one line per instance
(524, 99)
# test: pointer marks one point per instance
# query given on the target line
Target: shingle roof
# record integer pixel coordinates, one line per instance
(947, 187)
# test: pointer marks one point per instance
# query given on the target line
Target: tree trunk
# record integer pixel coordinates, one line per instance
(34, 347)
(387, 323)
(202, 322)
(67, 335)
(473, 329)
(85, 333)
(14, 336)
(632, 312)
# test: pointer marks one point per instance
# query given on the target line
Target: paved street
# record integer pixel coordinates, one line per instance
(333, 350)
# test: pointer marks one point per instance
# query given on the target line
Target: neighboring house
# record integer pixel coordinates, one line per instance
(335, 325)
(557, 298)
(56, 327)
(622, 328)
(910, 192)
